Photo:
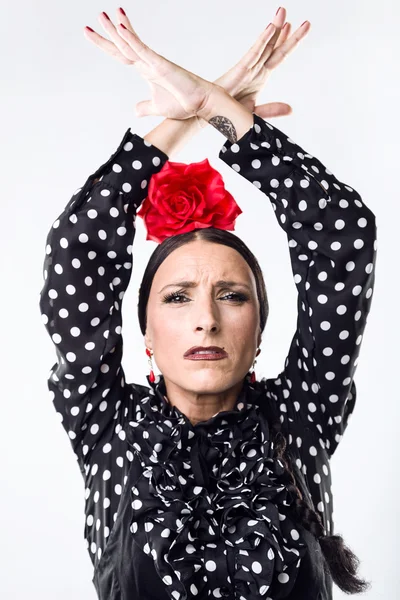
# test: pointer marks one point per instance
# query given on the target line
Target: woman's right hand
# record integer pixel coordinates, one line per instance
(245, 80)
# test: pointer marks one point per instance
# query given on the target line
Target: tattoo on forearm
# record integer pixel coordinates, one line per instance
(225, 126)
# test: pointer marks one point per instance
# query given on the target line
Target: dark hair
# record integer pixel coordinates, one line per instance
(341, 561)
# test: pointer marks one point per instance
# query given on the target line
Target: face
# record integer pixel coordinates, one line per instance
(206, 313)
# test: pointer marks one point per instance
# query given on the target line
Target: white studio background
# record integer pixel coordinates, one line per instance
(65, 107)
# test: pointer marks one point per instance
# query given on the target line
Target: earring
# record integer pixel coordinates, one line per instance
(253, 374)
(151, 376)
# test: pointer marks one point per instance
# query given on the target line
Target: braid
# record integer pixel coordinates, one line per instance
(340, 560)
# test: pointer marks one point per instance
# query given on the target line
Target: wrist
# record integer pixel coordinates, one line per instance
(216, 98)
(172, 134)
(226, 114)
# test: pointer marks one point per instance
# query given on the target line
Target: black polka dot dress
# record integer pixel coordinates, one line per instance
(175, 510)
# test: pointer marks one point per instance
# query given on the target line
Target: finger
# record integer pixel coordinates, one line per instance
(253, 55)
(108, 47)
(284, 34)
(145, 108)
(278, 21)
(273, 109)
(137, 46)
(115, 36)
(267, 39)
(280, 53)
(152, 65)
(122, 17)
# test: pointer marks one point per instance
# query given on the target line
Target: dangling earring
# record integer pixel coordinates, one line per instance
(151, 376)
(253, 374)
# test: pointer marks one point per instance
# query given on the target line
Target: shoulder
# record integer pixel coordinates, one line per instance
(138, 390)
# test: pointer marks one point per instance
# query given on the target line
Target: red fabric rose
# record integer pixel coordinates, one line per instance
(183, 197)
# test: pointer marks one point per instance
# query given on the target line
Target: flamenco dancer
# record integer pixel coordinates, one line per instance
(209, 482)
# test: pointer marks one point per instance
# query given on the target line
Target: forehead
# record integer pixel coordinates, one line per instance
(202, 258)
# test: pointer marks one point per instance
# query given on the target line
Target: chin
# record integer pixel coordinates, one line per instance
(210, 380)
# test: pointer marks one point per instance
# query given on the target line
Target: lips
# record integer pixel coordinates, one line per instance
(205, 351)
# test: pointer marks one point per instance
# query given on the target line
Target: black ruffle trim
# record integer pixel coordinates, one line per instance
(209, 487)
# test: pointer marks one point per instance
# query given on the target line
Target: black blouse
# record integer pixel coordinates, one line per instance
(181, 511)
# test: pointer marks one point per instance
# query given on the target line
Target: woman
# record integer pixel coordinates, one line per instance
(207, 482)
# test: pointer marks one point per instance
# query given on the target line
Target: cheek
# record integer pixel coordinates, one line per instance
(173, 329)
(243, 323)
(242, 333)
(171, 339)
(167, 330)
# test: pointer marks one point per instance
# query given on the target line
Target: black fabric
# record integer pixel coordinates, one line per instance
(332, 246)
(209, 491)
(125, 579)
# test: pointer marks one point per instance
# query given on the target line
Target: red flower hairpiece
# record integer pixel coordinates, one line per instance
(183, 197)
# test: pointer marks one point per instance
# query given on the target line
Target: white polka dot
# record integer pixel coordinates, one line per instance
(211, 565)
(126, 187)
(295, 534)
(256, 567)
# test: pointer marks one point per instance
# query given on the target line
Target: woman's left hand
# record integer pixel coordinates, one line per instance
(176, 93)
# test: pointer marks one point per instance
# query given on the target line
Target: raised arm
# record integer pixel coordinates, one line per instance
(332, 246)
(87, 268)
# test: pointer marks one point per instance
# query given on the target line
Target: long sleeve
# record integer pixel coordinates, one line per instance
(87, 268)
(332, 245)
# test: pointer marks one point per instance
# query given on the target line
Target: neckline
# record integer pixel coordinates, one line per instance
(243, 403)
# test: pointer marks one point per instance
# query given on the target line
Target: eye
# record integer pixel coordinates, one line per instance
(169, 298)
(174, 297)
(237, 297)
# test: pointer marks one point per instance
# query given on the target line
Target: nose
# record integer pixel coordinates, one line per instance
(207, 316)
(213, 328)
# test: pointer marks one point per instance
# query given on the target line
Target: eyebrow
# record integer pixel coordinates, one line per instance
(219, 283)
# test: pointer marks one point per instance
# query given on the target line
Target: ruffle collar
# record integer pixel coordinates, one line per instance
(208, 488)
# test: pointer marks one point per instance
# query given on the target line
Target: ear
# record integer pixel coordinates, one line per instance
(147, 340)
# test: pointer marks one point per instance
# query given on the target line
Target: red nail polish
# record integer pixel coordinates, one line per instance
(106, 15)
(123, 12)
(90, 29)
(303, 23)
(278, 10)
(122, 25)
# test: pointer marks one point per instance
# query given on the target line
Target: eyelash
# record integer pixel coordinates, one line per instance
(169, 297)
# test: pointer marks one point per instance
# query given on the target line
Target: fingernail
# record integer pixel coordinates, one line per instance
(303, 23)
(278, 10)
(268, 25)
(90, 29)
(122, 25)
(122, 10)
(106, 15)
